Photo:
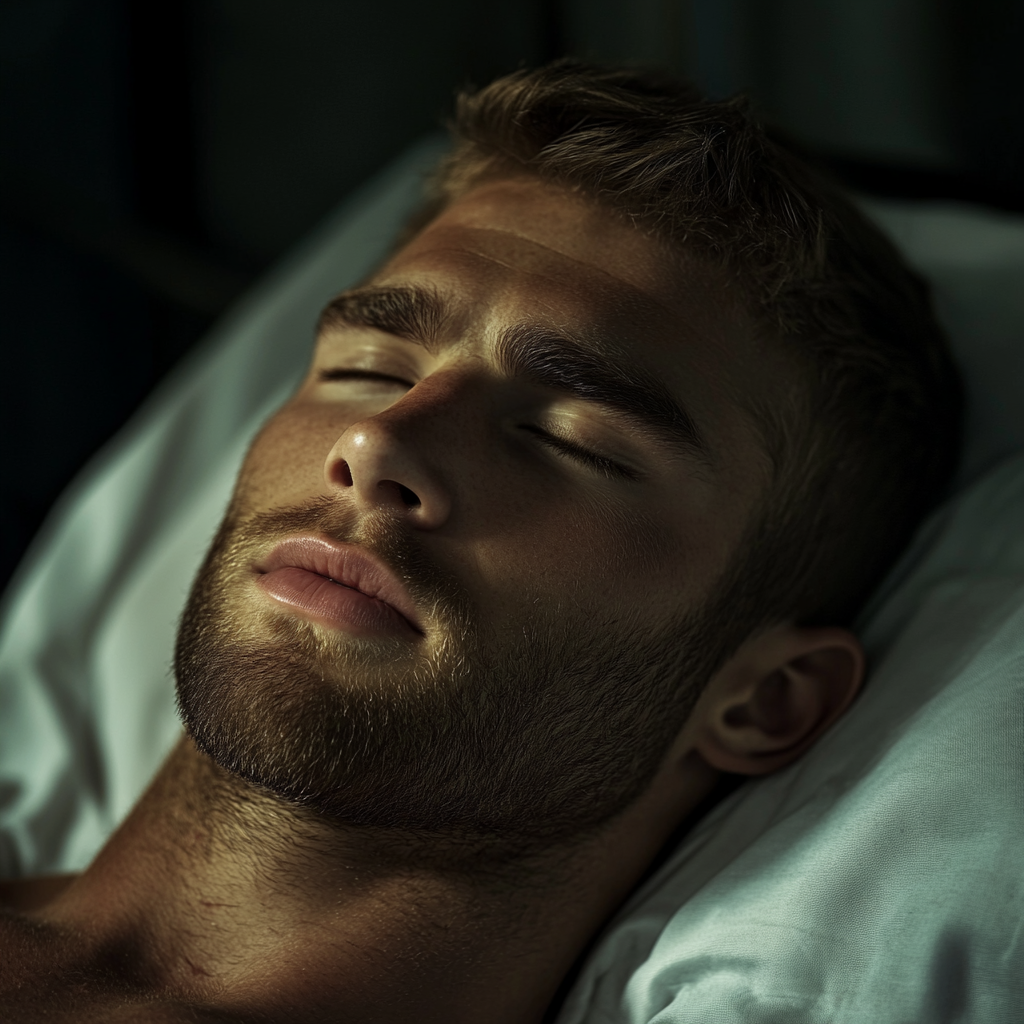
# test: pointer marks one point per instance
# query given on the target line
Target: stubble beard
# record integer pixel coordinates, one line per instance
(526, 739)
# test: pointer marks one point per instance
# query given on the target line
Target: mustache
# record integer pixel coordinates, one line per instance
(380, 531)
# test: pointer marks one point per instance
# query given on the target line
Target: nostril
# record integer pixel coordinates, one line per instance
(342, 474)
(409, 497)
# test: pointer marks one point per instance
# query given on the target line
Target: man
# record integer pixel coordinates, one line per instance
(561, 534)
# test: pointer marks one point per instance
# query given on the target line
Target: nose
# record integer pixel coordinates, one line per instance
(383, 462)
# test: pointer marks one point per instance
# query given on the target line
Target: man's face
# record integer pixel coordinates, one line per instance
(530, 422)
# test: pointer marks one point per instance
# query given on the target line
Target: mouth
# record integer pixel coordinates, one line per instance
(339, 585)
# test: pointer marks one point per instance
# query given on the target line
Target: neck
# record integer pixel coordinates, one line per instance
(231, 899)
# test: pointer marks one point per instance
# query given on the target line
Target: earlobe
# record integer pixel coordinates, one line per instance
(776, 696)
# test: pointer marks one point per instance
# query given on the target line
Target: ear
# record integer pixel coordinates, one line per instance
(775, 696)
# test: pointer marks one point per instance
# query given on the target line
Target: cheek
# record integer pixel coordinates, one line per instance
(285, 463)
(598, 558)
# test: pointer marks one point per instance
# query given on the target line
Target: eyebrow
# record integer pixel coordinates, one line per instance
(554, 360)
(550, 358)
(416, 314)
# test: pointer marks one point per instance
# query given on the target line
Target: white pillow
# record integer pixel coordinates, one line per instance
(805, 895)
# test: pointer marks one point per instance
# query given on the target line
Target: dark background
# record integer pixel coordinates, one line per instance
(155, 157)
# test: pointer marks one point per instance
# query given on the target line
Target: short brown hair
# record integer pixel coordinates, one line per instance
(870, 439)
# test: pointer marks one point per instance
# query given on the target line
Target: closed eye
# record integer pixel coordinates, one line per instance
(343, 373)
(561, 445)
(604, 465)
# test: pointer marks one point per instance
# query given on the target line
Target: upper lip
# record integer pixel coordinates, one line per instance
(348, 564)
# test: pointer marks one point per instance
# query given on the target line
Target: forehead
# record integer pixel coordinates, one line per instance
(523, 249)
(562, 225)
(564, 255)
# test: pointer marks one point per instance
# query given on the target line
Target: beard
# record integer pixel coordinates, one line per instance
(525, 736)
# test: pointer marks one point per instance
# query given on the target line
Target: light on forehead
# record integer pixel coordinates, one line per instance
(569, 224)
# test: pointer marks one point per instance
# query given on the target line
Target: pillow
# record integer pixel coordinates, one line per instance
(974, 258)
(785, 902)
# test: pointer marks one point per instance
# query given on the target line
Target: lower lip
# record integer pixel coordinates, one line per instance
(333, 604)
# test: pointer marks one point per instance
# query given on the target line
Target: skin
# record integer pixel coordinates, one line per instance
(215, 897)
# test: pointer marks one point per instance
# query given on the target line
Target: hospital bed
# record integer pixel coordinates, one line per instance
(878, 879)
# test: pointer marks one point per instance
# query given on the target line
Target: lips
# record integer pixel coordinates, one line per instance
(339, 585)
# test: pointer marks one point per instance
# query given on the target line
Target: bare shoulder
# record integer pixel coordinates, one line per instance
(27, 894)
(29, 949)
(49, 974)
(29, 953)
